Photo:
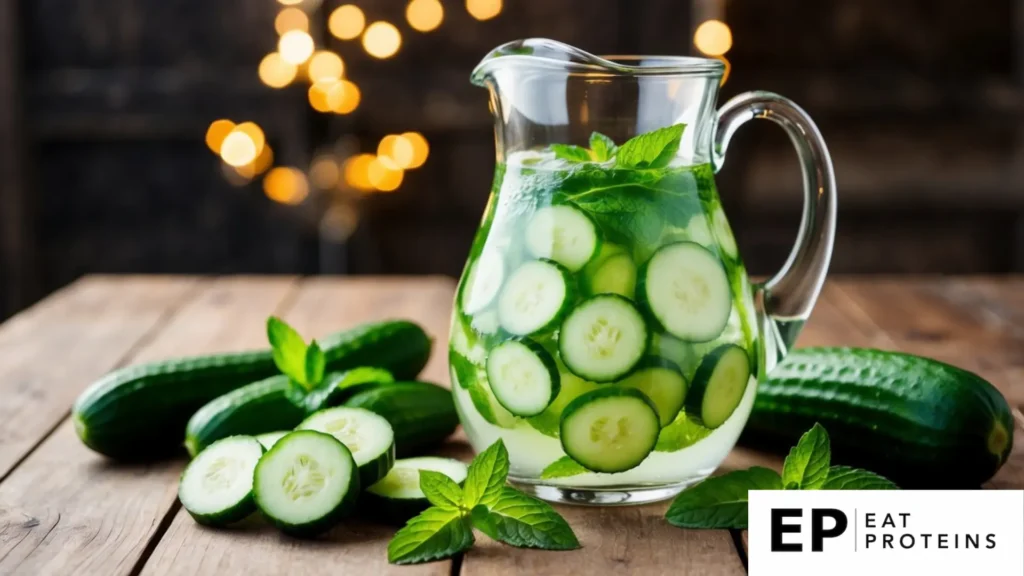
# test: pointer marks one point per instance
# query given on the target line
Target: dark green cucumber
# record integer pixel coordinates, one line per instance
(140, 412)
(397, 497)
(916, 421)
(421, 414)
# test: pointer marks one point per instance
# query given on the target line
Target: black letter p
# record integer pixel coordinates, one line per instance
(818, 532)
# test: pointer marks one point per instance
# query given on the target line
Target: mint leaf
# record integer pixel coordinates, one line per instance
(435, 534)
(651, 150)
(846, 478)
(807, 463)
(486, 477)
(289, 349)
(315, 364)
(564, 467)
(602, 148)
(681, 433)
(440, 490)
(721, 501)
(336, 387)
(570, 152)
(523, 521)
(465, 370)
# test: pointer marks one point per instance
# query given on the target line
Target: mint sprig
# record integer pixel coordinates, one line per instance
(302, 364)
(571, 152)
(602, 148)
(484, 503)
(721, 502)
(653, 149)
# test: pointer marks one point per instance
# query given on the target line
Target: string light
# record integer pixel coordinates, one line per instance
(319, 95)
(286, 185)
(483, 9)
(357, 171)
(324, 172)
(291, 19)
(713, 37)
(238, 149)
(263, 161)
(381, 39)
(348, 97)
(275, 72)
(346, 22)
(384, 175)
(295, 46)
(325, 66)
(255, 134)
(420, 148)
(398, 149)
(217, 132)
(290, 2)
(424, 15)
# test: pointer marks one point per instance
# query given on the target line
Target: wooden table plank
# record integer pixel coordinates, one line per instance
(323, 305)
(49, 351)
(66, 510)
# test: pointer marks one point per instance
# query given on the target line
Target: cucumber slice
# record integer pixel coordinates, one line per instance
(306, 483)
(603, 338)
(719, 385)
(483, 282)
(397, 497)
(611, 429)
(685, 288)
(523, 376)
(572, 387)
(536, 296)
(723, 233)
(697, 230)
(367, 435)
(616, 275)
(216, 486)
(564, 234)
(663, 383)
(270, 438)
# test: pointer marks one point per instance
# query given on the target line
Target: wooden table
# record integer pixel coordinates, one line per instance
(65, 510)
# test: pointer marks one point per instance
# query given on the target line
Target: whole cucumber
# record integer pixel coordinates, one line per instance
(421, 414)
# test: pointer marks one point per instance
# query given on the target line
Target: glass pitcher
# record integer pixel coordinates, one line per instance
(604, 326)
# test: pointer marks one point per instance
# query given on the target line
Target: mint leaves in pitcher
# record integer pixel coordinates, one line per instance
(650, 150)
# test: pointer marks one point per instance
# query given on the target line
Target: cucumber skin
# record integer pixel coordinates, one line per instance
(422, 415)
(140, 412)
(549, 364)
(917, 421)
(695, 395)
(606, 392)
(390, 511)
(236, 513)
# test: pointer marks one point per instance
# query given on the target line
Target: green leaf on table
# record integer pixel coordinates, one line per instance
(846, 478)
(289, 349)
(808, 461)
(486, 476)
(653, 149)
(315, 365)
(435, 534)
(523, 521)
(681, 433)
(440, 490)
(337, 387)
(721, 501)
(602, 148)
(571, 153)
(564, 467)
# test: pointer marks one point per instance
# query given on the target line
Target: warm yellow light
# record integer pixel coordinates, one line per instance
(483, 9)
(357, 171)
(424, 15)
(344, 97)
(324, 172)
(290, 2)
(291, 19)
(215, 134)
(238, 149)
(382, 39)
(346, 22)
(275, 72)
(384, 175)
(258, 166)
(295, 46)
(325, 66)
(319, 96)
(255, 133)
(286, 185)
(420, 148)
(728, 69)
(398, 149)
(713, 37)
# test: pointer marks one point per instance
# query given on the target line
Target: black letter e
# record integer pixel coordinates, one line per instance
(779, 528)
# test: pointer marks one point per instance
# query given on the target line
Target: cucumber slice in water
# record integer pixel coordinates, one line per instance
(723, 233)
(270, 438)
(572, 387)
(367, 435)
(685, 288)
(611, 429)
(216, 486)
(306, 483)
(483, 282)
(523, 376)
(397, 497)
(603, 338)
(663, 383)
(719, 385)
(536, 296)
(563, 233)
(616, 275)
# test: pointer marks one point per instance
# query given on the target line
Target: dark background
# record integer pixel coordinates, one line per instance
(104, 105)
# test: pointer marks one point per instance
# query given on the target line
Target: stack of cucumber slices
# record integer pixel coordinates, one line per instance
(308, 480)
(578, 337)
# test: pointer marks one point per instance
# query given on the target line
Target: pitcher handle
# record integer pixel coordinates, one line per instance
(785, 301)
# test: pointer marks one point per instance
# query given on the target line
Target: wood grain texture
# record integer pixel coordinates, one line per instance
(66, 510)
(322, 305)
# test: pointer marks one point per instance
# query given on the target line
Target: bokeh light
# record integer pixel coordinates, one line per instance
(275, 72)
(286, 185)
(324, 172)
(346, 22)
(255, 134)
(384, 175)
(381, 39)
(325, 66)
(345, 97)
(398, 149)
(263, 161)
(420, 148)
(357, 171)
(713, 37)
(483, 9)
(319, 95)
(290, 2)
(238, 149)
(424, 15)
(217, 132)
(295, 46)
(291, 19)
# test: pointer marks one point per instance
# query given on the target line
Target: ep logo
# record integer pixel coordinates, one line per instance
(823, 523)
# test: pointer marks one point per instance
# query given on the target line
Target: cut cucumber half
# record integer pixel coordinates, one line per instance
(685, 288)
(611, 429)
(563, 233)
(270, 438)
(536, 296)
(719, 385)
(397, 497)
(367, 435)
(216, 486)
(483, 282)
(723, 233)
(663, 383)
(603, 338)
(616, 275)
(306, 483)
(523, 376)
